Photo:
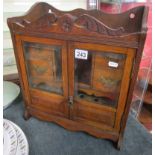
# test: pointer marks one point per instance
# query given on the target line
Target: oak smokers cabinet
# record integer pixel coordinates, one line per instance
(78, 68)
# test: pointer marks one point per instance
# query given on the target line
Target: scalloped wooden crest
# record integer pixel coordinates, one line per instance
(83, 20)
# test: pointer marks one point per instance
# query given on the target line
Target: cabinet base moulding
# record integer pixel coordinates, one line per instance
(72, 125)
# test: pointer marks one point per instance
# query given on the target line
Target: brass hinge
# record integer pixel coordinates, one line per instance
(70, 101)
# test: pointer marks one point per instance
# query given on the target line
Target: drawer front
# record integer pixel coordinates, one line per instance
(40, 68)
(89, 114)
(52, 107)
(105, 77)
(40, 51)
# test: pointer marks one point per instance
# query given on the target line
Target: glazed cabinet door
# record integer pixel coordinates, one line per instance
(98, 83)
(43, 65)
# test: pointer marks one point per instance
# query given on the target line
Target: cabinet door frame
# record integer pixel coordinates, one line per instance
(27, 88)
(130, 53)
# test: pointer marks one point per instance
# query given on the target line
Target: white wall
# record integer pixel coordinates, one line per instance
(18, 7)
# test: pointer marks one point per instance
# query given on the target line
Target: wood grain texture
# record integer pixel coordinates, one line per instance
(94, 31)
(46, 15)
(82, 23)
(73, 126)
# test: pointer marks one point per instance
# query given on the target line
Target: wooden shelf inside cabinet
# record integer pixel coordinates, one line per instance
(76, 66)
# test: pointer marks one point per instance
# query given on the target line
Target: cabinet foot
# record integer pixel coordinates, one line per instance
(119, 142)
(27, 115)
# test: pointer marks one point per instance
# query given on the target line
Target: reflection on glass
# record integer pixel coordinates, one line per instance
(43, 63)
(98, 78)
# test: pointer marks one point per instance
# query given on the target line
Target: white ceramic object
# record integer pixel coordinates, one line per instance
(23, 147)
(9, 139)
(10, 93)
(14, 139)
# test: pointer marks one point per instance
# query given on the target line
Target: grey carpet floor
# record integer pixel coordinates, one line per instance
(46, 138)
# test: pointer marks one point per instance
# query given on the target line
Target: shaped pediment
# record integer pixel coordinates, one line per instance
(43, 17)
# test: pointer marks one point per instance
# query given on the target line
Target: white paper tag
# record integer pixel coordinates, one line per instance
(112, 64)
(81, 54)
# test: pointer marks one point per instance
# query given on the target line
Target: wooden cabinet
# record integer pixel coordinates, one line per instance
(78, 68)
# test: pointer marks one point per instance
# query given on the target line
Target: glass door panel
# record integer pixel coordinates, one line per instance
(98, 76)
(44, 66)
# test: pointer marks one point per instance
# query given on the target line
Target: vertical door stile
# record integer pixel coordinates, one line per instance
(71, 78)
(124, 87)
(23, 70)
(65, 75)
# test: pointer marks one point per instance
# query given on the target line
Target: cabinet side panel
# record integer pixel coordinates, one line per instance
(124, 87)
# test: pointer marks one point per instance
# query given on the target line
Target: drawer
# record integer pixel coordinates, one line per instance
(100, 116)
(40, 51)
(41, 68)
(48, 105)
(106, 78)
